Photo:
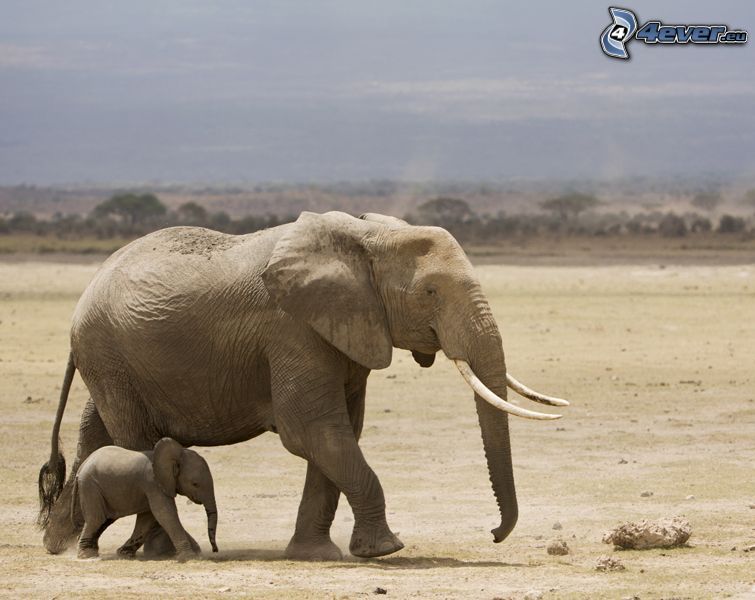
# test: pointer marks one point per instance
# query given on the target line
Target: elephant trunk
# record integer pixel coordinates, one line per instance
(212, 523)
(494, 427)
(470, 335)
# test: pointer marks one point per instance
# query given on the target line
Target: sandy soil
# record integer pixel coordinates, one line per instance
(657, 361)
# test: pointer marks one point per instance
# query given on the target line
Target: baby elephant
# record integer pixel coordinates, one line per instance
(114, 482)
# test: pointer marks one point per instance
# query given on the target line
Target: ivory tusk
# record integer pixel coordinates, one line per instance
(523, 390)
(486, 394)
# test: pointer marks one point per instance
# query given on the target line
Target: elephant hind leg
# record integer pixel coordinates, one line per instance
(90, 537)
(96, 520)
(65, 521)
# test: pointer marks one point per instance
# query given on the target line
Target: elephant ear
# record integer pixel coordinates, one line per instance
(320, 273)
(165, 465)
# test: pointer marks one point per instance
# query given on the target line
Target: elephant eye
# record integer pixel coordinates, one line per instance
(431, 291)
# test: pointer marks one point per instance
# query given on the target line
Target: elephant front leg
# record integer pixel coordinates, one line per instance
(165, 513)
(330, 444)
(156, 541)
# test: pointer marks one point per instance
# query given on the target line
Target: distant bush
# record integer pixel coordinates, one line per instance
(137, 212)
(220, 221)
(700, 225)
(24, 222)
(570, 205)
(672, 226)
(731, 224)
(443, 212)
(192, 213)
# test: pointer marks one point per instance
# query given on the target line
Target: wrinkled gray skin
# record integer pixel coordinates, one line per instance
(114, 482)
(214, 339)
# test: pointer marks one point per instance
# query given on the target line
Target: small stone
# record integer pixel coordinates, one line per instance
(750, 548)
(557, 548)
(533, 595)
(690, 497)
(733, 549)
(752, 506)
(379, 590)
(608, 563)
(646, 494)
(623, 461)
(223, 590)
(557, 526)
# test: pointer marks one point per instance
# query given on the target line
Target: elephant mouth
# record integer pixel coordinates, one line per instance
(422, 359)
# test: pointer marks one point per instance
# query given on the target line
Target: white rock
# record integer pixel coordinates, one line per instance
(663, 533)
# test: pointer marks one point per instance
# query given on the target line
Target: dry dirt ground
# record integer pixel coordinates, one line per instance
(658, 363)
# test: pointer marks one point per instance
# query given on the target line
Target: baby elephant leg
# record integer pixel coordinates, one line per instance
(95, 519)
(157, 544)
(145, 525)
(164, 509)
(90, 536)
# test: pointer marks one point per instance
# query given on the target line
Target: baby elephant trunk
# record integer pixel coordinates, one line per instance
(212, 523)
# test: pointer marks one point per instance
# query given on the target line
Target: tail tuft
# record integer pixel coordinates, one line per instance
(51, 481)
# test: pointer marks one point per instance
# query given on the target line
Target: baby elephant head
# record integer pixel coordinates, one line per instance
(182, 471)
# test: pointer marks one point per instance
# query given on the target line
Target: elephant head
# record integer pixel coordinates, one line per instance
(371, 284)
(182, 471)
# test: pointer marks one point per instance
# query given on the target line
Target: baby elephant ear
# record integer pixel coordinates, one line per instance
(320, 272)
(165, 464)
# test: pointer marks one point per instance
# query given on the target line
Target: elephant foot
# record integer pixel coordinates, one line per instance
(371, 543)
(126, 552)
(319, 550)
(88, 553)
(186, 555)
(158, 545)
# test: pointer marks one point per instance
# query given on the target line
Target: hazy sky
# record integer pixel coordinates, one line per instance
(247, 90)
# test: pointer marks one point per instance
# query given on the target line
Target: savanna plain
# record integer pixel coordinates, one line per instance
(658, 362)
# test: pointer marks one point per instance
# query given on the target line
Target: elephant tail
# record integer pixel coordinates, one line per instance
(74, 499)
(52, 475)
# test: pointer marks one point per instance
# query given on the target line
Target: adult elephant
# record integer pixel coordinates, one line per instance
(213, 339)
